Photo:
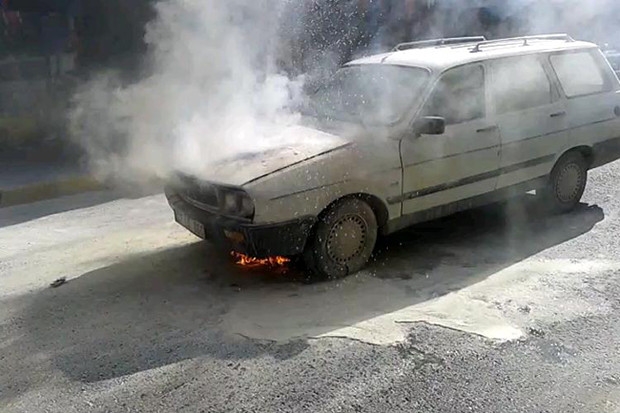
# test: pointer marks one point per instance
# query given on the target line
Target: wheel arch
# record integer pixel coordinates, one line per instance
(377, 205)
(584, 150)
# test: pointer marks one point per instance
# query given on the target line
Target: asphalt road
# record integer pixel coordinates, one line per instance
(489, 311)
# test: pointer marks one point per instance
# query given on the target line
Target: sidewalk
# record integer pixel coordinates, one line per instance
(35, 176)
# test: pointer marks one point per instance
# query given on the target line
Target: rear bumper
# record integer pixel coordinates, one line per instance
(260, 241)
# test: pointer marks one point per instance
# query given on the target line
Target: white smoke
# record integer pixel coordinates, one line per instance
(213, 89)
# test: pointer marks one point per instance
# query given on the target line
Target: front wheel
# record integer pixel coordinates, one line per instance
(566, 184)
(342, 241)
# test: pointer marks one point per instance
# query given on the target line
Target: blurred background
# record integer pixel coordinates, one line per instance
(47, 47)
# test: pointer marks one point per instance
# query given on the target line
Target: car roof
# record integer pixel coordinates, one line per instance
(442, 57)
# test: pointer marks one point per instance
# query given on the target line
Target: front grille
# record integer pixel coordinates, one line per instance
(197, 191)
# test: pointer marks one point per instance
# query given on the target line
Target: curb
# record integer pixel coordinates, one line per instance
(48, 190)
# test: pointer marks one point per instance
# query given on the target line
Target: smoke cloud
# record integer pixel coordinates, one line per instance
(213, 86)
(212, 89)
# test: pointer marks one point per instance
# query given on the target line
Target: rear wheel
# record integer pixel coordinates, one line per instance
(566, 184)
(342, 241)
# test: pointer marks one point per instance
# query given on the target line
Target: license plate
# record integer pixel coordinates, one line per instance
(192, 225)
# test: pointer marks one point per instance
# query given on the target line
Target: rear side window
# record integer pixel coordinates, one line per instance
(580, 74)
(520, 83)
(459, 95)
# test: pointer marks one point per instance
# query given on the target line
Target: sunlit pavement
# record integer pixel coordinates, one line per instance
(491, 310)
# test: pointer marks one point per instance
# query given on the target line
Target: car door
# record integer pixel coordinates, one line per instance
(530, 115)
(460, 163)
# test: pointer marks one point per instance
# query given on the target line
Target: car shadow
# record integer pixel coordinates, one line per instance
(494, 237)
(179, 304)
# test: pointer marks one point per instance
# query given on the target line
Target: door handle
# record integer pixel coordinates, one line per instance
(487, 129)
(557, 114)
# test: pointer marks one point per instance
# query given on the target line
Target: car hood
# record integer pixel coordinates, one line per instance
(294, 145)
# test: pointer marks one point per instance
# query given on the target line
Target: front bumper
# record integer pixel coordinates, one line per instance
(259, 241)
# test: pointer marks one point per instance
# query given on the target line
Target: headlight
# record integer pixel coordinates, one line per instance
(236, 203)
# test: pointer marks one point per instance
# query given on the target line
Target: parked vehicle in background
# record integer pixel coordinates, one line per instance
(424, 131)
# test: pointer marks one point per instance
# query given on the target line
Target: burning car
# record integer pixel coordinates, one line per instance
(395, 139)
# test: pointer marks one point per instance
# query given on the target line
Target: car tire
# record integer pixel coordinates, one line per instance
(566, 183)
(342, 241)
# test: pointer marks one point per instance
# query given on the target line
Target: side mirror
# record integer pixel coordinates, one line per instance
(430, 125)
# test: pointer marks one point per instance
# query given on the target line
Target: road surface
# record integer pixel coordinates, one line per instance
(494, 310)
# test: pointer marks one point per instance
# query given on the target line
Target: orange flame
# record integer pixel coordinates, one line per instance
(251, 262)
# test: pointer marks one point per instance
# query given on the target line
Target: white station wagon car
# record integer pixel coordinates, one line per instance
(424, 131)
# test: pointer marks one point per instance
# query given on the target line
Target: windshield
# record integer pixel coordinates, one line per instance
(369, 94)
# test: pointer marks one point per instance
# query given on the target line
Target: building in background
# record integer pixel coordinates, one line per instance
(47, 46)
(111, 33)
(37, 64)
(84, 35)
(75, 34)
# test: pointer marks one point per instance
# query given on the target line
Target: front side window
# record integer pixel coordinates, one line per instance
(580, 73)
(520, 83)
(459, 95)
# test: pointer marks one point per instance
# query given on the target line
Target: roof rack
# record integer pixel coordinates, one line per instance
(438, 42)
(523, 39)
